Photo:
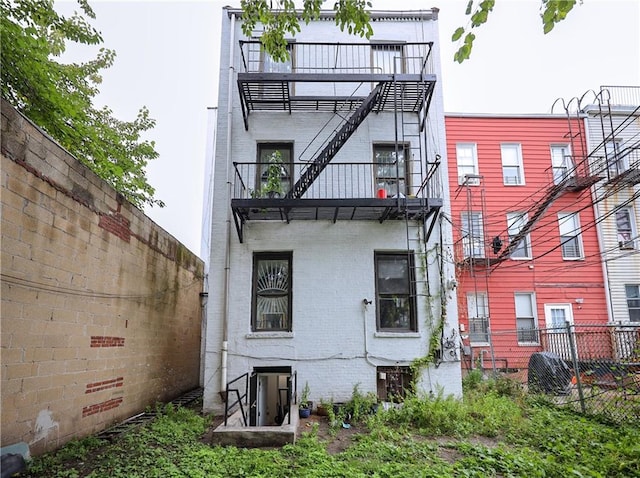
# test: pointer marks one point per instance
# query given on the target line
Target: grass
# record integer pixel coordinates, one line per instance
(494, 431)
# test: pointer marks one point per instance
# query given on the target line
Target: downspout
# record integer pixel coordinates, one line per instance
(227, 258)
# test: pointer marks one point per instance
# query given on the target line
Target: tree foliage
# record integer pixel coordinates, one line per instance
(553, 12)
(58, 97)
(279, 18)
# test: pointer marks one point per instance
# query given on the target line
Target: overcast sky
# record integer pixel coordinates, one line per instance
(167, 59)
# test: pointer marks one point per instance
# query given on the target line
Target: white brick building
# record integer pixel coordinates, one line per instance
(341, 277)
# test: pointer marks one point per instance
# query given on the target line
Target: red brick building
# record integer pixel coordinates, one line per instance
(526, 247)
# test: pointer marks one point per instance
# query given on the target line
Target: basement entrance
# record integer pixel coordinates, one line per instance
(269, 396)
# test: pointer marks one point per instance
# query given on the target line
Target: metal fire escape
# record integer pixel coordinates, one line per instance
(313, 194)
(575, 177)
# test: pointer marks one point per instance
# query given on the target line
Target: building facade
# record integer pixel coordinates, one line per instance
(329, 262)
(613, 131)
(527, 250)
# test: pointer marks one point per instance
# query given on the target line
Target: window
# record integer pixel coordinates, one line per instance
(271, 301)
(467, 158)
(387, 58)
(561, 163)
(472, 234)
(557, 315)
(570, 235)
(624, 229)
(269, 65)
(515, 222)
(395, 300)
(616, 163)
(264, 182)
(633, 301)
(478, 308)
(525, 318)
(512, 170)
(390, 168)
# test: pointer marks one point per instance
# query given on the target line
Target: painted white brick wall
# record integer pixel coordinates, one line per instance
(334, 344)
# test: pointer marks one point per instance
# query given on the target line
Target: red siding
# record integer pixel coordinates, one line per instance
(552, 279)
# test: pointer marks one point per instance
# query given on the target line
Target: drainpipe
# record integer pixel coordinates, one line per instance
(227, 258)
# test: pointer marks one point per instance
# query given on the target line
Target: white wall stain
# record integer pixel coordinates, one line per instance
(44, 425)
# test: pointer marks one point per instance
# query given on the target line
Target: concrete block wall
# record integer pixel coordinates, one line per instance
(101, 308)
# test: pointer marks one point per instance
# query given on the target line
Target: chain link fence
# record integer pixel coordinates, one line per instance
(592, 369)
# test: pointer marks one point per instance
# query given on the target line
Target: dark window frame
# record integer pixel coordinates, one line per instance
(410, 294)
(261, 166)
(395, 179)
(271, 256)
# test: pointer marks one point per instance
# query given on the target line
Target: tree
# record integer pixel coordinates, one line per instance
(553, 11)
(280, 17)
(59, 97)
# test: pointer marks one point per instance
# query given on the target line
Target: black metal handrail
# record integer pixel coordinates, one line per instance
(239, 398)
(343, 180)
(350, 58)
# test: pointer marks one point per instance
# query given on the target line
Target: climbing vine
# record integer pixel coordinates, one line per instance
(434, 322)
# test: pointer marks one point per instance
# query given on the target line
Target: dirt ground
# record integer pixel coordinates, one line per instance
(337, 442)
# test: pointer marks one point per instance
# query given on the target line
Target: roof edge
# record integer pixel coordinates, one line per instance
(429, 14)
(511, 115)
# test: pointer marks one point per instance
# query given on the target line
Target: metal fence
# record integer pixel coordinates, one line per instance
(593, 369)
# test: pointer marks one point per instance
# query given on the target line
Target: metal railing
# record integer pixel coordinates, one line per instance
(594, 369)
(337, 181)
(339, 58)
(621, 95)
(611, 164)
(240, 397)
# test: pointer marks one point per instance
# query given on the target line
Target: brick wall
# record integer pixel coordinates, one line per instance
(100, 311)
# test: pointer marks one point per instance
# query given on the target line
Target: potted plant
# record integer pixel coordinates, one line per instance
(272, 187)
(304, 407)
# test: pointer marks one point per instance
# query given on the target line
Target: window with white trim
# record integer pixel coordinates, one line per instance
(467, 159)
(570, 240)
(478, 309)
(632, 292)
(625, 228)
(526, 318)
(515, 222)
(271, 298)
(472, 234)
(512, 169)
(561, 163)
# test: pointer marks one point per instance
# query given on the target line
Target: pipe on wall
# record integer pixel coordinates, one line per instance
(227, 254)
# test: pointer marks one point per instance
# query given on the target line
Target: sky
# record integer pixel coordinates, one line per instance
(168, 60)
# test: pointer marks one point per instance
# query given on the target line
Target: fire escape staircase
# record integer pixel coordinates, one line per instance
(321, 161)
(570, 184)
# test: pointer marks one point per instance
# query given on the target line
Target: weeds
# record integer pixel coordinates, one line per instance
(493, 431)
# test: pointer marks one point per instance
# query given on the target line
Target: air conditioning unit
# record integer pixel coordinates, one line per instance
(470, 180)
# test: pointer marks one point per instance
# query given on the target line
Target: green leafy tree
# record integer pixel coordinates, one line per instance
(59, 97)
(552, 12)
(280, 18)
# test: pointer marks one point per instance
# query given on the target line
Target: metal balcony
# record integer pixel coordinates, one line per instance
(343, 191)
(333, 77)
(620, 167)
